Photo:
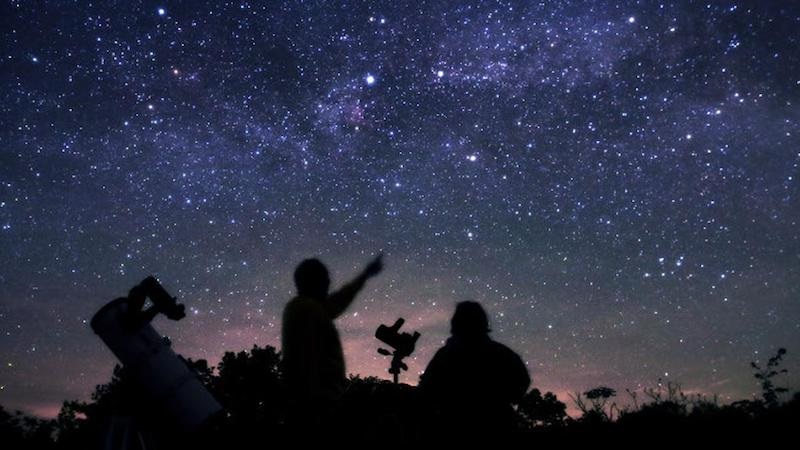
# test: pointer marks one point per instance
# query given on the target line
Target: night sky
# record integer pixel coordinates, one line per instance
(616, 182)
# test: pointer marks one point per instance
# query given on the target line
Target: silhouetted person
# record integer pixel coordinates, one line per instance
(472, 381)
(313, 362)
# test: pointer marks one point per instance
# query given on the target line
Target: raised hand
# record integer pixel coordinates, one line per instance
(374, 267)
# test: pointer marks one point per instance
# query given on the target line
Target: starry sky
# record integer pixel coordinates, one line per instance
(616, 182)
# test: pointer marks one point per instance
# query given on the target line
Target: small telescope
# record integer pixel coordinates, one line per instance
(402, 343)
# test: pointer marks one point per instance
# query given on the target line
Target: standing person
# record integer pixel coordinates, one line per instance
(472, 381)
(313, 362)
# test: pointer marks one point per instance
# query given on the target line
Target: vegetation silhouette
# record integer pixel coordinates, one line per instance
(249, 384)
(537, 410)
(592, 404)
(765, 375)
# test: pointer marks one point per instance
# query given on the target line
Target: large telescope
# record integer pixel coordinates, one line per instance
(169, 386)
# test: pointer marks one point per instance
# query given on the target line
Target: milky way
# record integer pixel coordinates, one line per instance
(617, 182)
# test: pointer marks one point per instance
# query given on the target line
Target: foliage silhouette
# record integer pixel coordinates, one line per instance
(542, 411)
(18, 430)
(595, 410)
(765, 375)
(249, 385)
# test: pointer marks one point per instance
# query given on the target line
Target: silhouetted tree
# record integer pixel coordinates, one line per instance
(377, 410)
(249, 386)
(538, 410)
(203, 371)
(72, 425)
(86, 424)
(114, 396)
(11, 431)
(22, 431)
(765, 374)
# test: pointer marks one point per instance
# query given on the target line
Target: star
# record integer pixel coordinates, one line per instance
(573, 168)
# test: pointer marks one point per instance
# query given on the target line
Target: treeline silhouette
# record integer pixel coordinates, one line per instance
(379, 412)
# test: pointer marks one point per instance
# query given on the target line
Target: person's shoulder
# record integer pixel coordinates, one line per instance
(502, 349)
(444, 350)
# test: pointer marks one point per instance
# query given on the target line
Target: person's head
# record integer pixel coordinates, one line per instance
(469, 320)
(312, 279)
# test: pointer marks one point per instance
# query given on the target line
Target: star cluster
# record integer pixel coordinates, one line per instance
(615, 181)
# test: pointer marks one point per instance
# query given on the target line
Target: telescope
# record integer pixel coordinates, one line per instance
(163, 302)
(402, 343)
(169, 386)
